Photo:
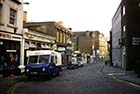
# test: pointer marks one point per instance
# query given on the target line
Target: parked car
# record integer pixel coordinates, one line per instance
(72, 65)
(75, 64)
(80, 63)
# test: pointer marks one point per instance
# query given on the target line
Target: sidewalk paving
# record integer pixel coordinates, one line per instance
(121, 74)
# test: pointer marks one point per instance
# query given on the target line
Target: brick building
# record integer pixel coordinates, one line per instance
(90, 42)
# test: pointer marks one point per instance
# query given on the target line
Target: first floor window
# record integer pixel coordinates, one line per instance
(13, 14)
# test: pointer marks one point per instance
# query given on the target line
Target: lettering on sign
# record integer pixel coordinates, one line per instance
(5, 36)
(135, 41)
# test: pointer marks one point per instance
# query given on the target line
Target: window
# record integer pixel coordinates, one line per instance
(61, 37)
(57, 38)
(124, 30)
(13, 14)
(64, 38)
(0, 14)
(123, 10)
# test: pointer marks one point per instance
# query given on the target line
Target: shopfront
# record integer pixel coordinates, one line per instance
(10, 49)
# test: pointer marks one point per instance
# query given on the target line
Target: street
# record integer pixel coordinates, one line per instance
(86, 80)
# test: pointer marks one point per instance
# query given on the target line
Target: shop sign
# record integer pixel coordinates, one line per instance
(10, 50)
(61, 49)
(135, 41)
(69, 48)
(8, 36)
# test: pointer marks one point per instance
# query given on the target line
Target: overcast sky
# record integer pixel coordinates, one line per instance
(80, 15)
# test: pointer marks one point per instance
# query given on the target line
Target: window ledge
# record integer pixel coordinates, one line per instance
(17, 1)
(1, 24)
(12, 26)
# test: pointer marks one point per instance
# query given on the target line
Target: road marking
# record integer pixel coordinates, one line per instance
(121, 73)
(100, 70)
(12, 88)
(128, 83)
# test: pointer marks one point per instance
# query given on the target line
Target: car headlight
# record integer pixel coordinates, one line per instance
(27, 70)
(43, 69)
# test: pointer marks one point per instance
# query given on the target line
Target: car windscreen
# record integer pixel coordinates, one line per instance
(44, 58)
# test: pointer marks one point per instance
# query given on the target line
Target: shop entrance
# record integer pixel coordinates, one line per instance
(9, 53)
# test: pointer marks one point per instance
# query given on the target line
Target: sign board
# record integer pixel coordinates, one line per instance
(135, 40)
(61, 49)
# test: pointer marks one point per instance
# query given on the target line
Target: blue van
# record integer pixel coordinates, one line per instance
(42, 63)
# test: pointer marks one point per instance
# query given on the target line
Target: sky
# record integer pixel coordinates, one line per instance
(80, 15)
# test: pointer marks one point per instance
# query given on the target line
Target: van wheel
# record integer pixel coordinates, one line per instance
(57, 74)
(29, 78)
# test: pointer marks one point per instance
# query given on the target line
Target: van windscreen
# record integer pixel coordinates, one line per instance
(44, 59)
(32, 59)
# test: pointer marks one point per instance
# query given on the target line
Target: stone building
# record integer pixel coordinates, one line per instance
(11, 30)
(60, 36)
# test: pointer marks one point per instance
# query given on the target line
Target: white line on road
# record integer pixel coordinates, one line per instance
(12, 88)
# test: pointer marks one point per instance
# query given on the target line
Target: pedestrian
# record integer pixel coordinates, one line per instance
(106, 62)
(5, 72)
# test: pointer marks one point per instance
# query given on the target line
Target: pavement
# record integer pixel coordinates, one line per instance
(118, 73)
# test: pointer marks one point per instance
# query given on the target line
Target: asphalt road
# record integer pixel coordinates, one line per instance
(85, 80)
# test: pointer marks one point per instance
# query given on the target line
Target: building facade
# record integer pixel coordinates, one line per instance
(33, 40)
(62, 36)
(125, 34)
(90, 42)
(11, 30)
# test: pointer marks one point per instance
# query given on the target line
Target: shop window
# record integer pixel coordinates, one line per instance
(13, 14)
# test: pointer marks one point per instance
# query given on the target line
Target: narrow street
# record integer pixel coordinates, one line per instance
(85, 80)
